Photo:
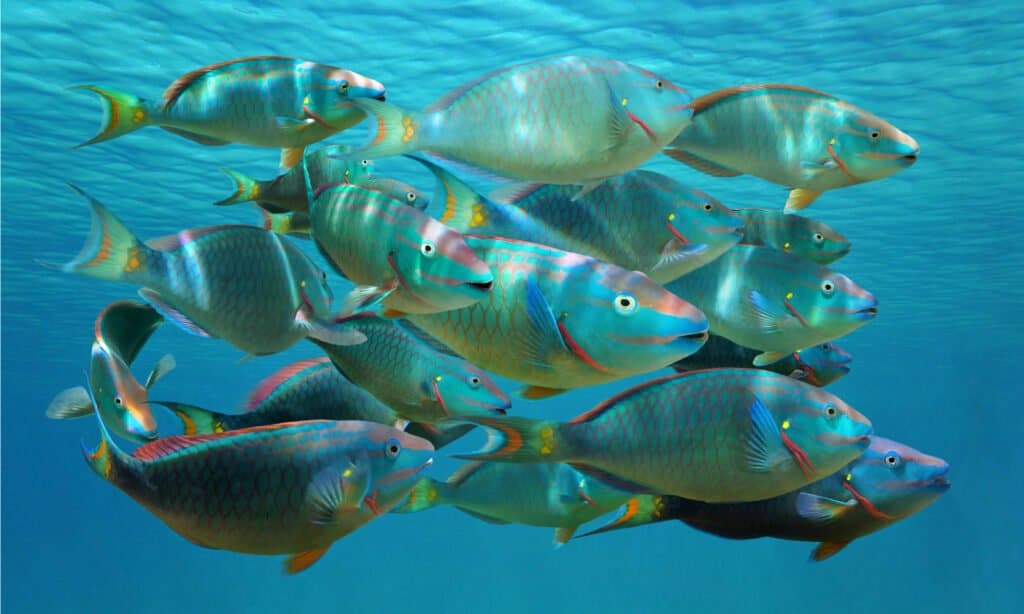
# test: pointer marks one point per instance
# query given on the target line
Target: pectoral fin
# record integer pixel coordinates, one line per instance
(765, 450)
(71, 403)
(821, 509)
(171, 313)
(162, 367)
(705, 166)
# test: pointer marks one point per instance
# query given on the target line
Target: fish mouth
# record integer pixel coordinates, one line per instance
(867, 313)
(381, 97)
(482, 286)
(938, 482)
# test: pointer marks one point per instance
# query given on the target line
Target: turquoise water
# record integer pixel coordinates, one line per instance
(939, 244)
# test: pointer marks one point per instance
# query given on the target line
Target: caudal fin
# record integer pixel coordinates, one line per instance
(246, 188)
(424, 495)
(397, 130)
(518, 440)
(196, 420)
(122, 113)
(105, 458)
(111, 251)
(640, 510)
(464, 209)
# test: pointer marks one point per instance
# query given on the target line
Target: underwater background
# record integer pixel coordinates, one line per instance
(939, 244)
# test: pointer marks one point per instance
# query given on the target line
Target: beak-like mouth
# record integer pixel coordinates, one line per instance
(700, 337)
(483, 286)
(911, 157)
(869, 312)
(381, 97)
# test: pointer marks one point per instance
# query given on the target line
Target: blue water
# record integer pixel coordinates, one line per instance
(939, 244)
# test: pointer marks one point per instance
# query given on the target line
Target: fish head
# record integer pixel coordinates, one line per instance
(896, 479)
(436, 265)
(622, 322)
(823, 364)
(829, 303)
(397, 190)
(314, 292)
(694, 218)
(815, 241)
(463, 389)
(868, 148)
(397, 459)
(120, 399)
(329, 98)
(659, 108)
(824, 428)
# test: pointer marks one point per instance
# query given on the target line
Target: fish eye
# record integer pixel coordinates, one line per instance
(874, 134)
(411, 197)
(818, 237)
(474, 382)
(659, 84)
(826, 347)
(831, 411)
(392, 448)
(118, 401)
(365, 163)
(323, 276)
(428, 249)
(625, 304)
(828, 288)
(343, 87)
(893, 459)
(708, 207)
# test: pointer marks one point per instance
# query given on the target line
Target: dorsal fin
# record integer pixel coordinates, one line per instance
(462, 473)
(175, 89)
(169, 445)
(270, 383)
(702, 103)
(603, 407)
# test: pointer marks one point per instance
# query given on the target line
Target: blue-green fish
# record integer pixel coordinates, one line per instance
(292, 488)
(721, 435)
(794, 136)
(641, 221)
(413, 374)
(120, 332)
(819, 365)
(310, 389)
(557, 320)
(267, 101)
(794, 234)
(771, 301)
(889, 483)
(538, 494)
(397, 255)
(250, 287)
(564, 120)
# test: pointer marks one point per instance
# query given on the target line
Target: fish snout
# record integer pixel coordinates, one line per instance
(381, 97)
(939, 479)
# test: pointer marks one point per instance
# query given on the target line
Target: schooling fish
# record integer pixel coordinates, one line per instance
(397, 255)
(292, 488)
(557, 320)
(564, 120)
(641, 221)
(794, 136)
(819, 365)
(721, 435)
(267, 101)
(889, 483)
(414, 375)
(252, 288)
(121, 330)
(306, 390)
(771, 301)
(794, 234)
(540, 494)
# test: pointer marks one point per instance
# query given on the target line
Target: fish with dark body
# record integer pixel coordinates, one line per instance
(819, 365)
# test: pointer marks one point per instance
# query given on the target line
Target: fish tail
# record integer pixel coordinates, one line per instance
(519, 440)
(464, 209)
(122, 113)
(424, 495)
(246, 188)
(280, 223)
(106, 458)
(397, 130)
(640, 510)
(111, 251)
(196, 420)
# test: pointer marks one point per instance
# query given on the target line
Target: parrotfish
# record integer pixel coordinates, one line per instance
(120, 332)
(397, 255)
(819, 365)
(794, 234)
(721, 435)
(557, 320)
(267, 101)
(889, 483)
(287, 191)
(641, 221)
(306, 390)
(771, 301)
(292, 223)
(794, 136)
(563, 120)
(413, 374)
(540, 494)
(292, 488)
(250, 287)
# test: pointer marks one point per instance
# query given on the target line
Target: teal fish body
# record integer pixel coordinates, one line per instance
(540, 494)
(818, 365)
(281, 489)
(797, 137)
(563, 120)
(794, 234)
(250, 287)
(263, 101)
(403, 258)
(557, 320)
(889, 483)
(413, 375)
(771, 301)
(121, 330)
(641, 221)
(721, 435)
